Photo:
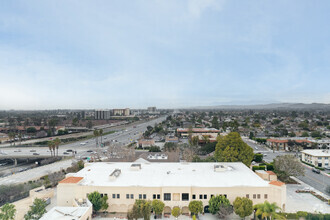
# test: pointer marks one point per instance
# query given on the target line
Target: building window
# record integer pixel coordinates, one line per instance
(105, 194)
(205, 196)
(200, 196)
(144, 196)
(185, 196)
(118, 196)
(194, 196)
(247, 196)
(254, 196)
(140, 196)
(132, 196)
(127, 196)
(154, 196)
(225, 195)
(113, 196)
(266, 196)
(258, 196)
(212, 195)
(167, 196)
(158, 196)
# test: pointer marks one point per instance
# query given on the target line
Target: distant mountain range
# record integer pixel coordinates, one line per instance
(297, 106)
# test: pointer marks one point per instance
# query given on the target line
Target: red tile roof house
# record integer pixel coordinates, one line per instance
(281, 144)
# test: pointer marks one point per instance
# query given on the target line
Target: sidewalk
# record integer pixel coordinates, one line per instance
(310, 187)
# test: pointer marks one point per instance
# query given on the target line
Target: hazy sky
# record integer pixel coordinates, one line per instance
(169, 53)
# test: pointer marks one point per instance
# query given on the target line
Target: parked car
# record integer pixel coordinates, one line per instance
(316, 170)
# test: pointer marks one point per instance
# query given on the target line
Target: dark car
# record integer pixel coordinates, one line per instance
(69, 150)
(32, 150)
(316, 170)
(65, 153)
(89, 151)
(36, 154)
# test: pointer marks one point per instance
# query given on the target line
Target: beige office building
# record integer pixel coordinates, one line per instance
(176, 184)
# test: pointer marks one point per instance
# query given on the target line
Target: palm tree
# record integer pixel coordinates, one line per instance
(100, 133)
(96, 134)
(20, 138)
(12, 136)
(50, 146)
(57, 142)
(268, 211)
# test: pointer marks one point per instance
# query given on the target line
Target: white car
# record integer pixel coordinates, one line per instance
(83, 143)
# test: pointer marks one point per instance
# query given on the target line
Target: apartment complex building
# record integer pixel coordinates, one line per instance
(102, 114)
(106, 113)
(176, 184)
(318, 158)
(202, 133)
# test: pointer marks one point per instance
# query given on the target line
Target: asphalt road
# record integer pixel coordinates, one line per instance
(123, 137)
(317, 181)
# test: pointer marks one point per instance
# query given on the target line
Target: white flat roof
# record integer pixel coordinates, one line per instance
(64, 213)
(317, 153)
(170, 175)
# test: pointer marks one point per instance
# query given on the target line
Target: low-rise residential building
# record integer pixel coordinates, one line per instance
(142, 143)
(171, 139)
(176, 184)
(318, 158)
(210, 134)
(284, 145)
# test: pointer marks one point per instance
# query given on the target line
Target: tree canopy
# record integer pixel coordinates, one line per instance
(266, 210)
(243, 207)
(7, 212)
(37, 210)
(158, 206)
(288, 165)
(98, 201)
(196, 207)
(216, 201)
(231, 148)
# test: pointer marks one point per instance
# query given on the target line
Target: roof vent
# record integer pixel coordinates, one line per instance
(115, 174)
(220, 168)
(136, 166)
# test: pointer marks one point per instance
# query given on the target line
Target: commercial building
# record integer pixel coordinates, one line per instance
(121, 112)
(176, 184)
(102, 114)
(318, 158)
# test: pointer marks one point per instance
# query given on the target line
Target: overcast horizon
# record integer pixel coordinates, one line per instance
(168, 54)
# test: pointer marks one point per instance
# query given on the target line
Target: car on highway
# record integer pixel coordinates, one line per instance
(68, 150)
(32, 150)
(65, 153)
(316, 170)
(36, 154)
(83, 143)
(89, 151)
(17, 150)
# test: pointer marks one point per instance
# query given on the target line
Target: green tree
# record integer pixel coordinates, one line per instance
(243, 206)
(37, 210)
(231, 148)
(51, 145)
(99, 203)
(305, 134)
(31, 130)
(7, 212)
(286, 166)
(267, 210)
(176, 212)
(196, 207)
(57, 143)
(158, 206)
(89, 124)
(258, 158)
(142, 208)
(216, 201)
(96, 135)
(215, 122)
(101, 134)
